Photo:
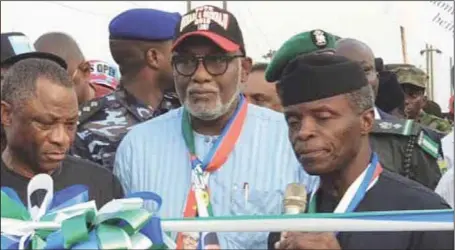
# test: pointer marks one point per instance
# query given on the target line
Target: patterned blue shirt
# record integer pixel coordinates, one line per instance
(153, 157)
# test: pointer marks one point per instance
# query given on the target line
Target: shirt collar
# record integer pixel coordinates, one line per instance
(376, 113)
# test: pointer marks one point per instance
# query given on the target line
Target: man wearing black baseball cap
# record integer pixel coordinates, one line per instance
(216, 24)
(253, 158)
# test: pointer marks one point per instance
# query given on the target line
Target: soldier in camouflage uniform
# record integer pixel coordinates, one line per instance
(413, 81)
(142, 49)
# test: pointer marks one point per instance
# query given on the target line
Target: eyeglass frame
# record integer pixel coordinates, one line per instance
(202, 59)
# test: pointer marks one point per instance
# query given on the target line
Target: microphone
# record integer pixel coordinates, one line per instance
(294, 202)
(295, 198)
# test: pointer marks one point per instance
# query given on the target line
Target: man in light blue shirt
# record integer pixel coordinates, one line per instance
(210, 65)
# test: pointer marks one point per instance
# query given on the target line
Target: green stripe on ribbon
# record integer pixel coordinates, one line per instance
(12, 209)
(188, 132)
(37, 243)
(75, 230)
(135, 220)
(112, 237)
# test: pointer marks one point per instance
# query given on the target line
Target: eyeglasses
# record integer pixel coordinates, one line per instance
(186, 65)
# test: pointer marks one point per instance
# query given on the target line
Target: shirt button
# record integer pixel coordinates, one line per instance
(207, 139)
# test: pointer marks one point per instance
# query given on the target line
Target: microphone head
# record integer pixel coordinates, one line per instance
(295, 198)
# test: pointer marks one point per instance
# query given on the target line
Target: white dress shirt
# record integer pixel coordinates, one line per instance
(376, 113)
(447, 149)
(445, 187)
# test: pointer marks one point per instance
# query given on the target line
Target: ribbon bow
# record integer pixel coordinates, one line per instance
(21, 226)
(67, 219)
(120, 224)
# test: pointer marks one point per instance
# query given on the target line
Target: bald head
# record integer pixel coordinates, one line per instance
(62, 45)
(362, 53)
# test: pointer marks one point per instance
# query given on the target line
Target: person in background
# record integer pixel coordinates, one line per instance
(15, 47)
(390, 97)
(328, 128)
(413, 81)
(103, 78)
(394, 139)
(260, 92)
(140, 43)
(64, 46)
(39, 113)
(249, 173)
(362, 53)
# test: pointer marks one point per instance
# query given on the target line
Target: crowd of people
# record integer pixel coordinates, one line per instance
(188, 115)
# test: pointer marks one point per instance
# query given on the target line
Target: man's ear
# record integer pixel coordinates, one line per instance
(246, 64)
(6, 111)
(367, 121)
(153, 58)
(86, 69)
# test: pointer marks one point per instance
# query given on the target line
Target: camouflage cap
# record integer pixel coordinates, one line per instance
(409, 74)
(302, 43)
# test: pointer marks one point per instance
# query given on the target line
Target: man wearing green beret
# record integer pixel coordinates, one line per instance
(413, 81)
(305, 43)
(257, 90)
(328, 105)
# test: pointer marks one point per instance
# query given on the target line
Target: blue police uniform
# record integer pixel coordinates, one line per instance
(104, 121)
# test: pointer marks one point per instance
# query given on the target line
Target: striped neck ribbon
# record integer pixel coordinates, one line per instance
(198, 199)
(356, 191)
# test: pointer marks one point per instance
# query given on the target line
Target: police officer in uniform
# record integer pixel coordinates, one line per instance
(140, 43)
(403, 146)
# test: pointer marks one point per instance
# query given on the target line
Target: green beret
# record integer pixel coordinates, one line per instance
(408, 74)
(302, 43)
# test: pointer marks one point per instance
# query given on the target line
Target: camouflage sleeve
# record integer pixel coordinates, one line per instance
(444, 126)
(79, 149)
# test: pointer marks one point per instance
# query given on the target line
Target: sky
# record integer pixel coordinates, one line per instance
(265, 25)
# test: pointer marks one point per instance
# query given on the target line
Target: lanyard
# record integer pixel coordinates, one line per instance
(198, 199)
(356, 191)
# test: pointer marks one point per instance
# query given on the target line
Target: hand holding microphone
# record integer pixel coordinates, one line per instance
(295, 200)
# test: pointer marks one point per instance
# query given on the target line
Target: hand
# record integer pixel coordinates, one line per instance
(299, 240)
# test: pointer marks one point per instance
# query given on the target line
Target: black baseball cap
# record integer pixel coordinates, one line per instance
(216, 24)
(16, 47)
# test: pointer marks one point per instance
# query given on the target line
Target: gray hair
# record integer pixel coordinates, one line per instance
(361, 99)
(19, 83)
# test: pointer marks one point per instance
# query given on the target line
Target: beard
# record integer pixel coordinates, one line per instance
(205, 112)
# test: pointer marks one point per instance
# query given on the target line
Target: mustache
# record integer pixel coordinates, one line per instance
(195, 88)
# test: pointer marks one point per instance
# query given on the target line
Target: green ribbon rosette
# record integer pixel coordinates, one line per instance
(120, 224)
(67, 220)
(23, 227)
